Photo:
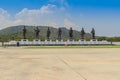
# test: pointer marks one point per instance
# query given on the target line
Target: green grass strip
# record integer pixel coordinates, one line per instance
(61, 47)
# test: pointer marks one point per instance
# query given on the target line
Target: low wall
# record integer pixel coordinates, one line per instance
(55, 43)
(116, 43)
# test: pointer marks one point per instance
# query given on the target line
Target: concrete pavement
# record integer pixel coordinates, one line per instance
(60, 64)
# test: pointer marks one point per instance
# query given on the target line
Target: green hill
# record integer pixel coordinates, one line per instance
(16, 31)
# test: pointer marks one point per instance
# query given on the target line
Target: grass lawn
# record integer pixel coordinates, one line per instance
(50, 47)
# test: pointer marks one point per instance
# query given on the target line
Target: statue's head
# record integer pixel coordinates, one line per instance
(82, 28)
(93, 30)
(48, 28)
(59, 29)
(70, 28)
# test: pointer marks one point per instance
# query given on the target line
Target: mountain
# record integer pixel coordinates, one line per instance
(16, 32)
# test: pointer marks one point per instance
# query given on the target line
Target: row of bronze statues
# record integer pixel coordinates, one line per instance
(48, 33)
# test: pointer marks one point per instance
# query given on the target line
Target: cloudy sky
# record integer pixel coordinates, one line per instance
(103, 15)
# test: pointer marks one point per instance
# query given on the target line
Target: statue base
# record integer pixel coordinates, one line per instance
(48, 40)
(59, 40)
(70, 42)
(70, 39)
(36, 40)
(82, 40)
(13, 42)
(93, 40)
(24, 42)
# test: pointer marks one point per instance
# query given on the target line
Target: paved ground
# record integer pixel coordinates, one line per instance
(60, 64)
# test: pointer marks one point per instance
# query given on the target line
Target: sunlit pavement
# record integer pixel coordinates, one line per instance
(60, 64)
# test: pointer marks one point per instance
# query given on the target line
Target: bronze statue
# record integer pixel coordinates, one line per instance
(82, 33)
(37, 31)
(48, 34)
(24, 32)
(59, 33)
(71, 33)
(93, 33)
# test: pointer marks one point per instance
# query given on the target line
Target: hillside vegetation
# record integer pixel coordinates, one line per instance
(7, 34)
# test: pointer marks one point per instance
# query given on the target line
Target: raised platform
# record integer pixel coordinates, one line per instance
(26, 42)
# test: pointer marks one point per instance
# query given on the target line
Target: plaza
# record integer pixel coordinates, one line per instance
(59, 63)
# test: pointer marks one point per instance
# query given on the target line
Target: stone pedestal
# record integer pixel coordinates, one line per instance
(82, 41)
(47, 42)
(59, 42)
(94, 41)
(24, 42)
(104, 42)
(36, 41)
(70, 41)
(13, 42)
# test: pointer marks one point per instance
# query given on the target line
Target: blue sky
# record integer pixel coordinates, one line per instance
(103, 15)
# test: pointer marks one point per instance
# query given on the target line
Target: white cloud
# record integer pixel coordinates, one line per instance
(36, 13)
(4, 18)
(68, 23)
(46, 15)
(60, 2)
(43, 16)
(53, 24)
(4, 13)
